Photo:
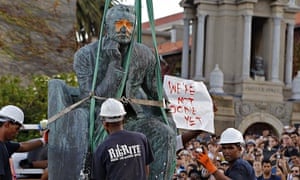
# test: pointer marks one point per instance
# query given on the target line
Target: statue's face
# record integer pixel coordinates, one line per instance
(123, 29)
(120, 24)
(259, 64)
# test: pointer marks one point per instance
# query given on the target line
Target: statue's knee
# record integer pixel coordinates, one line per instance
(81, 113)
(56, 83)
(59, 87)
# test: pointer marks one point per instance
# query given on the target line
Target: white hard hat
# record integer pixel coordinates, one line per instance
(13, 113)
(231, 136)
(113, 110)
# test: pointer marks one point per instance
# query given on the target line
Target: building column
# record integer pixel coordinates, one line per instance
(291, 3)
(173, 35)
(185, 49)
(193, 47)
(200, 47)
(276, 50)
(247, 47)
(289, 55)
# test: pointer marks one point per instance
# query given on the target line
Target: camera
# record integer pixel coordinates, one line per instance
(278, 156)
(199, 150)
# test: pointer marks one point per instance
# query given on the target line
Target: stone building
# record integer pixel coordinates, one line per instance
(234, 35)
(223, 44)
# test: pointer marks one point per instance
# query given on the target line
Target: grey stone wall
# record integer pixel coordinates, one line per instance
(37, 37)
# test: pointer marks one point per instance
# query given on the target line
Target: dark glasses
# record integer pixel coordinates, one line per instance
(12, 121)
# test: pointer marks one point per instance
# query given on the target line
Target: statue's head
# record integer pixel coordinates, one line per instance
(120, 23)
(259, 63)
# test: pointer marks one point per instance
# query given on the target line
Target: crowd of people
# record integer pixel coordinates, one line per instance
(203, 156)
(271, 156)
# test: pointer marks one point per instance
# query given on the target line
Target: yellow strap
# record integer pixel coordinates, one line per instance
(148, 102)
(138, 101)
(122, 99)
(66, 110)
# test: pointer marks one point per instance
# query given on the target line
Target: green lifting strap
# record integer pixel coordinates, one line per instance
(101, 136)
(138, 10)
(158, 73)
(93, 100)
(126, 63)
(157, 69)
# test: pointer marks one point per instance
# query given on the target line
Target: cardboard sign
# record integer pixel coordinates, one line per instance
(189, 103)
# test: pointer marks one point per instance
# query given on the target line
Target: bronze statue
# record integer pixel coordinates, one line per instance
(258, 68)
(69, 140)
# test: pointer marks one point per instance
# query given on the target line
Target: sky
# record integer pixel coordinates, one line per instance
(161, 8)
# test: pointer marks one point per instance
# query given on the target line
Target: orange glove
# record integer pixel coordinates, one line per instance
(206, 162)
(45, 136)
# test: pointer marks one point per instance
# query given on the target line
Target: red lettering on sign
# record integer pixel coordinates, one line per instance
(189, 89)
(182, 100)
(192, 120)
(174, 88)
(189, 110)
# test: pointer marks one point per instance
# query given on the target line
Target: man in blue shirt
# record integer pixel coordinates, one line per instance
(231, 141)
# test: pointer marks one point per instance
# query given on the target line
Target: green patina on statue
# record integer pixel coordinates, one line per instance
(69, 137)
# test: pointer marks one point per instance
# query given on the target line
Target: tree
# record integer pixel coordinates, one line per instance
(31, 98)
(89, 15)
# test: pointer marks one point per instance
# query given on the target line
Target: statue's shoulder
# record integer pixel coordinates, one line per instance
(84, 57)
(91, 47)
(140, 47)
(86, 51)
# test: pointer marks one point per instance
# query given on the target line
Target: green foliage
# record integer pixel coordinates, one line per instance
(31, 98)
(89, 18)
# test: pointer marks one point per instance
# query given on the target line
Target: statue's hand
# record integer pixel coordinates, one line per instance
(112, 52)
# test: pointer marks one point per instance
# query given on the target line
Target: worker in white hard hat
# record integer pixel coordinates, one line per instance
(38, 158)
(124, 154)
(11, 120)
(232, 143)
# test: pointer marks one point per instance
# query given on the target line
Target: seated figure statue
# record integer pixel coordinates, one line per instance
(258, 71)
(69, 137)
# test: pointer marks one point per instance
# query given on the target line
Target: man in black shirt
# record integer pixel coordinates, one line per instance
(11, 120)
(124, 154)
